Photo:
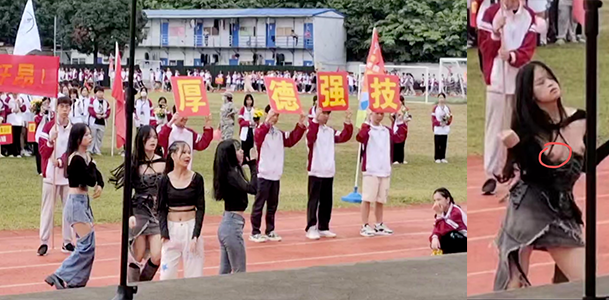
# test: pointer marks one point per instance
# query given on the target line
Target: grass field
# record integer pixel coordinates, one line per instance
(20, 186)
(568, 63)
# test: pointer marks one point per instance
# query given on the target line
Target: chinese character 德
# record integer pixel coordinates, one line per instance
(332, 88)
(190, 94)
(284, 95)
(383, 93)
(6, 72)
(25, 75)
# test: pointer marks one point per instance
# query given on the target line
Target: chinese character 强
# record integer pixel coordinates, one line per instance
(190, 93)
(284, 95)
(332, 87)
(383, 93)
(25, 75)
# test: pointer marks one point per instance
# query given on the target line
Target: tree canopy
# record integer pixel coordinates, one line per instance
(409, 30)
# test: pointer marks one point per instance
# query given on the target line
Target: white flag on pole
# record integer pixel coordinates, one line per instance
(28, 38)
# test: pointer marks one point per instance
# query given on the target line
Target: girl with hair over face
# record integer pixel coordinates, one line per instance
(450, 227)
(145, 234)
(542, 214)
(181, 208)
(231, 186)
(82, 173)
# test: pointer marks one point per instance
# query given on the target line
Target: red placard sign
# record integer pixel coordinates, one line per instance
(283, 95)
(190, 96)
(31, 132)
(384, 93)
(6, 134)
(29, 74)
(333, 91)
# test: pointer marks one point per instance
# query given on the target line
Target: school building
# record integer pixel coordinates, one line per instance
(287, 37)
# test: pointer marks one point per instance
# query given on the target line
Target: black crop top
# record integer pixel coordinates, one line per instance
(169, 196)
(82, 175)
(236, 188)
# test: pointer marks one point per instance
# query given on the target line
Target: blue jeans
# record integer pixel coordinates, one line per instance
(232, 246)
(76, 269)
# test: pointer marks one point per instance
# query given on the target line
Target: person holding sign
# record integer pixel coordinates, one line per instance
(321, 139)
(176, 130)
(53, 143)
(270, 143)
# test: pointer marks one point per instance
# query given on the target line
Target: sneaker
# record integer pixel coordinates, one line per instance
(258, 238)
(367, 231)
(438, 161)
(489, 187)
(395, 162)
(444, 161)
(53, 280)
(560, 42)
(273, 237)
(381, 229)
(67, 248)
(312, 233)
(327, 234)
(42, 250)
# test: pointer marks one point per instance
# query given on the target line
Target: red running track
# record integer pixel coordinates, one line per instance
(22, 271)
(485, 217)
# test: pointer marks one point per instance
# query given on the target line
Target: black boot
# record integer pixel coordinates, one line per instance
(133, 273)
(149, 271)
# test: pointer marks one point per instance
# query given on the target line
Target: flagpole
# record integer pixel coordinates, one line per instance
(55, 36)
(113, 127)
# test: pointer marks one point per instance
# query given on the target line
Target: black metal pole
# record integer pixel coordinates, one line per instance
(126, 292)
(591, 28)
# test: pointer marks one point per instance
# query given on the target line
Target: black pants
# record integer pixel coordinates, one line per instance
(440, 146)
(248, 144)
(268, 192)
(453, 242)
(398, 152)
(15, 147)
(38, 162)
(320, 196)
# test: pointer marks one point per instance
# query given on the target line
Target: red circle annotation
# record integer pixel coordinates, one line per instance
(546, 146)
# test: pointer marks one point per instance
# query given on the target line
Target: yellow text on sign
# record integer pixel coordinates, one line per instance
(190, 94)
(332, 87)
(284, 95)
(383, 93)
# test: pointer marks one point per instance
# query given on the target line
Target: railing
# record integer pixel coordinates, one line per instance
(207, 41)
(250, 41)
(290, 41)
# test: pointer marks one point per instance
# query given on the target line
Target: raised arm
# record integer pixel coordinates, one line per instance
(364, 134)
(236, 180)
(201, 142)
(293, 137)
(344, 135)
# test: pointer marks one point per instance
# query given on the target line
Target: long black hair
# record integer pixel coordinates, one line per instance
(77, 133)
(138, 157)
(248, 96)
(445, 193)
(529, 121)
(225, 161)
(175, 146)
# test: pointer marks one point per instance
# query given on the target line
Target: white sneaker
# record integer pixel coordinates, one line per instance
(438, 161)
(273, 237)
(327, 234)
(445, 161)
(258, 238)
(367, 231)
(312, 233)
(18, 156)
(395, 162)
(381, 229)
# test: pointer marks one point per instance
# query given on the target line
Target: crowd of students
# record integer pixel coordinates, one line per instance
(168, 203)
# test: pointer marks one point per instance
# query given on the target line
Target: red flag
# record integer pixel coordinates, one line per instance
(578, 12)
(119, 97)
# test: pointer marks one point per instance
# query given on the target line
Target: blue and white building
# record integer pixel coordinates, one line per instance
(298, 37)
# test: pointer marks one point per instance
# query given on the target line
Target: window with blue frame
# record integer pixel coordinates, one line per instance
(165, 34)
(308, 35)
(199, 35)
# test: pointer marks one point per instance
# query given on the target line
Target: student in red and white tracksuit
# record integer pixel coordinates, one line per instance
(321, 139)
(15, 116)
(54, 141)
(502, 54)
(312, 110)
(377, 141)
(176, 130)
(270, 143)
(144, 110)
(44, 116)
(99, 112)
(247, 125)
(450, 226)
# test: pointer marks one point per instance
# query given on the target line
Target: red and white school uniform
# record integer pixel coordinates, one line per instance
(144, 112)
(162, 121)
(377, 142)
(440, 130)
(53, 175)
(169, 134)
(321, 167)
(270, 143)
(98, 125)
(520, 38)
(455, 219)
(80, 110)
(15, 116)
(312, 113)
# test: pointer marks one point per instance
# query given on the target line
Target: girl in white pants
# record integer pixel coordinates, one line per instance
(181, 207)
